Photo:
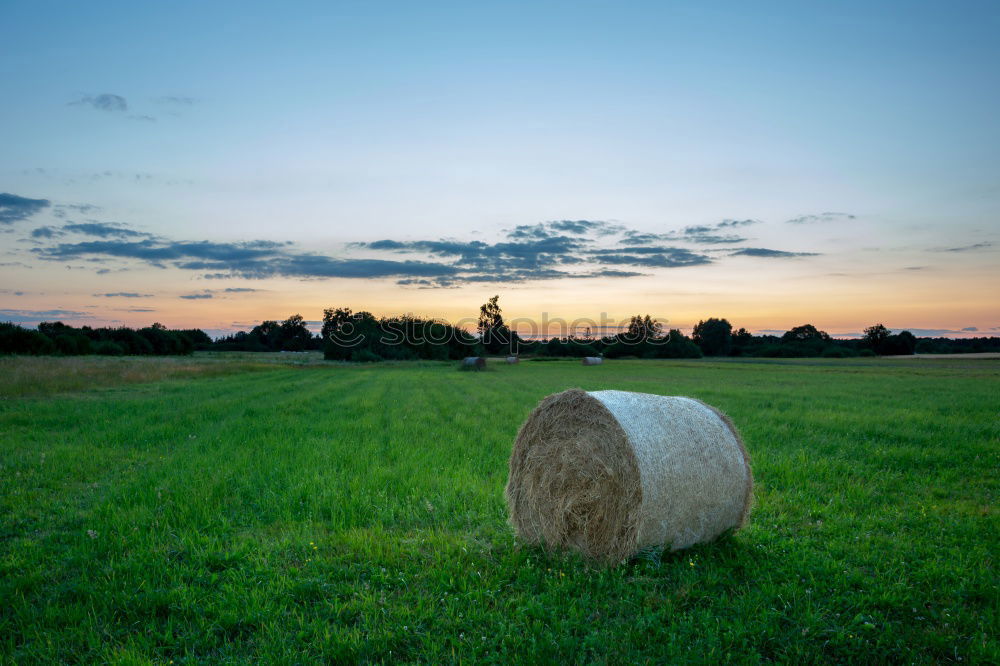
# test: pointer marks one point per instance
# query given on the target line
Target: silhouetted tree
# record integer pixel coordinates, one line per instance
(267, 333)
(875, 336)
(642, 328)
(346, 332)
(494, 334)
(68, 340)
(359, 336)
(490, 315)
(742, 341)
(164, 342)
(805, 333)
(713, 336)
(199, 338)
(334, 320)
(17, 340)
(672, 345)
(742, 337)
(901, 344)
(294, 336)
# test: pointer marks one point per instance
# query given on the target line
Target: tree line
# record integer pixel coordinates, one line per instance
(716, 337)
(62, 339)
(362, 337)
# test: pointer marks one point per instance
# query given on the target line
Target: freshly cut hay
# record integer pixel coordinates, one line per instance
(511, 360)
(613, 473)
(592, 360)
(473, 363)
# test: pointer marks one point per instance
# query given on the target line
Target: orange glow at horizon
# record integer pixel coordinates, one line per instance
(771, 297)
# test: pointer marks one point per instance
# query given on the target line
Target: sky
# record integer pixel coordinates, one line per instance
(215, 164)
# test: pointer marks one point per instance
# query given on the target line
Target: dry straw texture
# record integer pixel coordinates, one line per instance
(611, 473)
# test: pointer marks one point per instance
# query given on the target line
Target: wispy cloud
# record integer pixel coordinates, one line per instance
(965, 248)
(423, 283)
(707, 236)
(14, 208)
(103, 102)
(111, 103)
(937, 332)
(176, 100)
(124, 294)
(555, 228)
(105, 230)
(650, 256)
(210, 293)
(36, 316)
(700, 234)
(61, 210)
(766, 252)
(822, 217)
(737, 223)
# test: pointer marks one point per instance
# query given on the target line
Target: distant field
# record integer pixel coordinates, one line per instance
(279, 508)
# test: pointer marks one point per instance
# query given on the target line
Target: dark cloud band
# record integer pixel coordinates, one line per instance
(562, 249)
(14, 208)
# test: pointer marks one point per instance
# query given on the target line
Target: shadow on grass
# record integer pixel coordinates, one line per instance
(729, 553)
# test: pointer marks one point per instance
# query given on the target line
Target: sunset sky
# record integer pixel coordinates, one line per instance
(214, 164)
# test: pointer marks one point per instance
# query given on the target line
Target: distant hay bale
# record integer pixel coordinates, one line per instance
(613, 473)
(592, 360)
(473, 363)
(511, 360)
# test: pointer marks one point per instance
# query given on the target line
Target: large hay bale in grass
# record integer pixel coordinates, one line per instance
(592, 360)
(473, 363)
(613, 473)
(511, 360)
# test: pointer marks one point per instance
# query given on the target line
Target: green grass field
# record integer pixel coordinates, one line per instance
(251, 509)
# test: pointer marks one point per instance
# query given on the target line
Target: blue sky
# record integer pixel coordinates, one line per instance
(323, 128)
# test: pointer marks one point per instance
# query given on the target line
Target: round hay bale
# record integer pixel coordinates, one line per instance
(613, 473)
(592, 360)
(511, 360)
(473, 363)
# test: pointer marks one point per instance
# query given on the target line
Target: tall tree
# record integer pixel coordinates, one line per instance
(294, 334)
(493, 332)
(875, 336)
(642, 328)
(714, 336)
(490, 315)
